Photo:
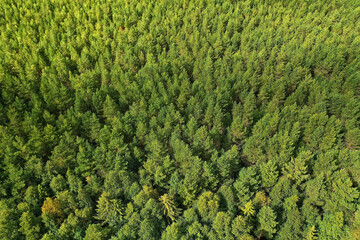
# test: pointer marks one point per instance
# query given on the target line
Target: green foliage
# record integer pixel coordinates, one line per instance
(95, 231)
(208, 205)
(9, 221)
(222, 226)
(241, 227)
(30, 225)
(267, 222)
(179, 119)
(296, 169)
(246, 185)
(109, 210)
(269, 174)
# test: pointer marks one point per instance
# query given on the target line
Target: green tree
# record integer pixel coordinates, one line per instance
(269, 174)
(173, 231)
(267, 222)
(30, 225)
(296, 169)
(292, 226)
(9, 224)
(222, 226)
(96, 231)
(246, 185)
(331, 227)
(208, 205)
(242, 227)
(109, 210)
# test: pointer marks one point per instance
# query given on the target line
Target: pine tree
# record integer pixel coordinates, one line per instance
(169, 207)
(267, 221)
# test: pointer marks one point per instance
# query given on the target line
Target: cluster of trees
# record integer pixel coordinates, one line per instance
(206, 119)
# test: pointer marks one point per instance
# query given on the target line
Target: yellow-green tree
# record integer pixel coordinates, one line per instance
(53, 208)
(169, 207)
(248, 209)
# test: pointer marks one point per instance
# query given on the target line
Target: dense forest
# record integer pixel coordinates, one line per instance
(203, 119)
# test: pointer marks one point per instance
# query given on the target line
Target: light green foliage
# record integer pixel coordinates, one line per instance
(296, 169)
(95, 231)
(208, 205)
(222, 226)
(30, 225)
(269, 174)
(109, 210)
(241, 228)
(331, 227)
(343, 195)
(172, 231)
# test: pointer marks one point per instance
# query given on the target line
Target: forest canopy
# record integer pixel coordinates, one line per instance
(203, 119)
